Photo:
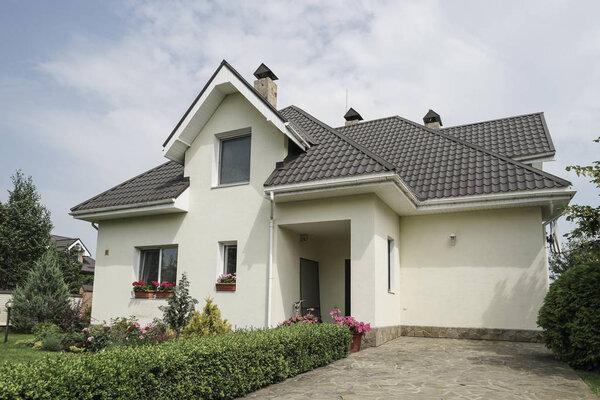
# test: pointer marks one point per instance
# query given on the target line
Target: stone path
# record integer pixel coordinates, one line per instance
(438, 369)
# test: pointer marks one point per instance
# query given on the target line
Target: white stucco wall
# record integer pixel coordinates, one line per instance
(495, 276)
(236, 213)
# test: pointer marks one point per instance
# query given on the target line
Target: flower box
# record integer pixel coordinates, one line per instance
(355, 343)
(144, 294)
(225, 287)
(163, 295)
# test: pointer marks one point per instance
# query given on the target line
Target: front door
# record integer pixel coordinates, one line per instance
(309, 287)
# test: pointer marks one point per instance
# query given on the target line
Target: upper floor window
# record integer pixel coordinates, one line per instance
(229, 254)
(158, 264)
(234, 160)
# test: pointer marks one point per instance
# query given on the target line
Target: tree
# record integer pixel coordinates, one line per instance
(44, 297)
(180, 307)
(24, 231)
(68, 262)
(576, 252)
(208, 323)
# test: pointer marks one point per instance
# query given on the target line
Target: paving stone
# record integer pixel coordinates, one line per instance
(439, 369)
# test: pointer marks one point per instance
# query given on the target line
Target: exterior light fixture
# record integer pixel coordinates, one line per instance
(8, 305)
(452, 239)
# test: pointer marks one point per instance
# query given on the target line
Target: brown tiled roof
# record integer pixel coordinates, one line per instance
(160, 183)
(431, 163)
(524, 136)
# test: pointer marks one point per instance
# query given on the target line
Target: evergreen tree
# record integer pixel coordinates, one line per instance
(208, 323)
(68, 262)
(180, 307)
(24, 231)
(44, 297)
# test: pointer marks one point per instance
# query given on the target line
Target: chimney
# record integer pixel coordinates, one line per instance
(352, 117)
(432, 120)
(264, 84)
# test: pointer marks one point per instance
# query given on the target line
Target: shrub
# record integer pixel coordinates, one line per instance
(44, 297)
(41, 330)
(180, 307)
(299, 319)
(52, 342)
(570, 317)
(218, 367)
(208, 323)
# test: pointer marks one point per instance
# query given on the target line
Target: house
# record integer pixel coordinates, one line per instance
(417, 229)
(85, 257)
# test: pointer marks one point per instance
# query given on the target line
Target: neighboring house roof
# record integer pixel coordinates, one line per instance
(521, 137)
(87, 288)
(163, 182)
(89, 265)
(62, 242)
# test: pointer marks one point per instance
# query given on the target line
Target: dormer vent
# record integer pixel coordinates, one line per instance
(352, 117)
(432, 120)
(265, 84)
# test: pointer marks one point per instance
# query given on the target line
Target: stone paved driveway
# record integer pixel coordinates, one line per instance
(421, 368)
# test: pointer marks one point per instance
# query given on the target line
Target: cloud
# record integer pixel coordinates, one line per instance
(106, 103)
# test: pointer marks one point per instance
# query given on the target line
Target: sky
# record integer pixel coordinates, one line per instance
(90, 90)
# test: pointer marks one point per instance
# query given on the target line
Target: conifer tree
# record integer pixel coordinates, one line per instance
(180, 307)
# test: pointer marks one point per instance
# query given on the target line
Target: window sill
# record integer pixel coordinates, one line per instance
(230, 185)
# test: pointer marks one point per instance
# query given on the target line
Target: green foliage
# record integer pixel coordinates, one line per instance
(180, 307)
(576, 252)
(24, 231)
(44, 297)
(586, 217)
(68, 261)
(52, 342)
(570, 317)
(208, 323)
(217, 367)
(43, 329)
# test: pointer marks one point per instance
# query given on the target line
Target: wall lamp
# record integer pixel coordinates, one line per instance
(452, 239)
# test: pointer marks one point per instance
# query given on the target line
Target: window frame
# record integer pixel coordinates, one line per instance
(160, 258)
(391, 283)
(218, 150)
(222, 267)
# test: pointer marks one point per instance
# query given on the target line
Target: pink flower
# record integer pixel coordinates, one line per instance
(141, 337)
(90, 338)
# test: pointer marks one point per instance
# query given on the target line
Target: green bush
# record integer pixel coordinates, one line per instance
(52, 342)
(570, 317)
(43, 329)
(216, 367)
(208, 323)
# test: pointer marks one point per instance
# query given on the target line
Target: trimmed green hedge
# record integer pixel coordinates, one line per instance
(220, 367)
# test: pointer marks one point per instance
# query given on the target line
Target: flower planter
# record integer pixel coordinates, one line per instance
(355, 343)
(226, 287)
(163, 295)
(144, 294)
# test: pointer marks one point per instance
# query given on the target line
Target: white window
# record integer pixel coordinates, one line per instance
(390, 265)
(229, 258)
(158, 264)
(234, 159)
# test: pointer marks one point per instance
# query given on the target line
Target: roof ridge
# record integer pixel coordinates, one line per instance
(223, 63)
(493, 154)
(346, 139)
(121, 184)
(493, 120)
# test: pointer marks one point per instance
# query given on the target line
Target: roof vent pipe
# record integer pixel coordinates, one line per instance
(432, 120)
(264, 84)
(352, 117)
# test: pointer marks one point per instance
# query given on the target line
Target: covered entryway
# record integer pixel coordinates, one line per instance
(313, 260)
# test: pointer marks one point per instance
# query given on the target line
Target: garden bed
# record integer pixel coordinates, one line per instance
(220, 367)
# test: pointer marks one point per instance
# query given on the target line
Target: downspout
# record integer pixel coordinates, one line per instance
(270, 281)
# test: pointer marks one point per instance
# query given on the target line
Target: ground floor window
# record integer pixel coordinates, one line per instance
(390, 264)
(158, 264)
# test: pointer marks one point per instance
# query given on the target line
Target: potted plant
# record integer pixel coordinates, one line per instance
(226, 282)
(142, 290)
(164, 289)
(357, 329)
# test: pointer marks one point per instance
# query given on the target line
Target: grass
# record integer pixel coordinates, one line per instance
(592, 379)
(13, 353)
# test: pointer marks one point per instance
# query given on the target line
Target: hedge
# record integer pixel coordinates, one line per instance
(570, 317)
(220, 367)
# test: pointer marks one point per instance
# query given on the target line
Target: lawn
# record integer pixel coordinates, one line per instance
(19, 353)
(592, 379)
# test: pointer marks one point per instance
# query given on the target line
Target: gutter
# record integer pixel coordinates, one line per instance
(122, 207)
(270, 267)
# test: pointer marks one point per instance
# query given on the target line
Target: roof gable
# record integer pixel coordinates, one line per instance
(225, 80)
